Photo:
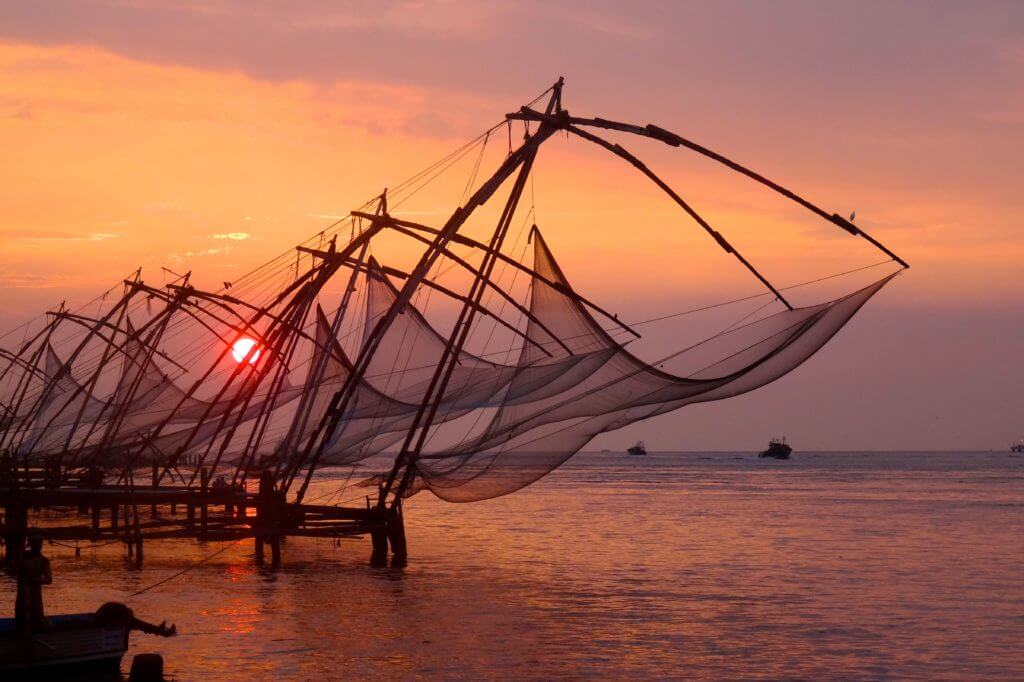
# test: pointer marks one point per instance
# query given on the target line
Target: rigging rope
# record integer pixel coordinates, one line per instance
(186, 570)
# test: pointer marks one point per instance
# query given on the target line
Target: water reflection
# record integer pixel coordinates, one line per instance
(705, 566)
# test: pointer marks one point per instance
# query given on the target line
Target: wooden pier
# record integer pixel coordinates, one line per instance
(135, 514)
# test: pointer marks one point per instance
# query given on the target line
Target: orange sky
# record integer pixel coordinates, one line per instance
(213, 136)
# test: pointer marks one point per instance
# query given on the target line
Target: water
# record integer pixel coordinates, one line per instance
(704, 566)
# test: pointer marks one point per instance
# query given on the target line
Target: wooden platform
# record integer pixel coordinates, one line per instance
(204, 512)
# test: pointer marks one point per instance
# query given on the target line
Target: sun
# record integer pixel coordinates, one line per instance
(241, 348)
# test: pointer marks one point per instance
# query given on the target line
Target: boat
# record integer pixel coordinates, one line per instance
(638, 449)
(777, 449)
(75, 643)
(1017, 447)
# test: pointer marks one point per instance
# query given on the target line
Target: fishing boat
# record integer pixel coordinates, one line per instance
(1017, 447)
(455, 359)
(777, 449)
(75, 643)
(638, 449)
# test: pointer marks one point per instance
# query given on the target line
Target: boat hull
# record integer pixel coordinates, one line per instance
(777, 451)
(73, 643)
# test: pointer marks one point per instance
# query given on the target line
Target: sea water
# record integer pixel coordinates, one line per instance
(682, 565)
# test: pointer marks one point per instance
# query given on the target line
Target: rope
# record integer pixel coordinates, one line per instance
(186, 570)
(753, 296)
(93, 545)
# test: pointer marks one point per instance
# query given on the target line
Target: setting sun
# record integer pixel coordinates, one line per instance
(242, 347)
(685, 336)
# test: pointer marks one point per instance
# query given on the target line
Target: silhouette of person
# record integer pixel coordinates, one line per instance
(33, 571)
(116, 613)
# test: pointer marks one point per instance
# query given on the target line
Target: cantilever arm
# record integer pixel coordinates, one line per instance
(401, 274)
(619, 151)
(672, 139)
(85, 321)
(468, 241)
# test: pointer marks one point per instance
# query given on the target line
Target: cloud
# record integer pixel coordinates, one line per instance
(179, 258)
(235, 236)
(21, 280)
(167, 209)
(47, 235)
(406, 42)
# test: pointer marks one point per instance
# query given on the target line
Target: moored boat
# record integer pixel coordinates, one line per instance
(638, 449)
(777, 449)
(74, 643)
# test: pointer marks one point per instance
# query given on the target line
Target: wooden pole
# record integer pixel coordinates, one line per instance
(317, 441)
(95, 518)
(241, 508)
(264, 519)
(155, 480)
(204, 487)
(275, 549)
(379, 542)
(417, 433)
(16, 519)
(138, 540)
(127, 532)
(396, 535)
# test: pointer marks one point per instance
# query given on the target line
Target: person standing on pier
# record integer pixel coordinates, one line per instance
(33, 571)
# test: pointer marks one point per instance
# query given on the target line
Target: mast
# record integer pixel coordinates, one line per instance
(93, 331)
(21, 387)
(318, 440)
(91, 388)
(148, 440)
(316, 374)
(420, 428)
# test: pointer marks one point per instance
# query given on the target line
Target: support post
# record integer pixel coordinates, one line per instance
(138, 546)
(275, 549)
(396, 536)
(127, 530)
(95, 519)
(113, 517)
(155, 477)
(204, 487)
(379, 543)
(16, 519)
(267, 517)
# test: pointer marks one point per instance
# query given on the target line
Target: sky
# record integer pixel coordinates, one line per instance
(214, 135)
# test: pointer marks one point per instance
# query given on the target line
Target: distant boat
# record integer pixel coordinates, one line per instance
(777, 449)
(638, 449)
(1017, 447)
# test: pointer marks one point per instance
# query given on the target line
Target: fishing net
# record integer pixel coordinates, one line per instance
(464, 425)
(534, 430)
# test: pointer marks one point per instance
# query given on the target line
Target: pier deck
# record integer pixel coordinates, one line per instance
(135, 514)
